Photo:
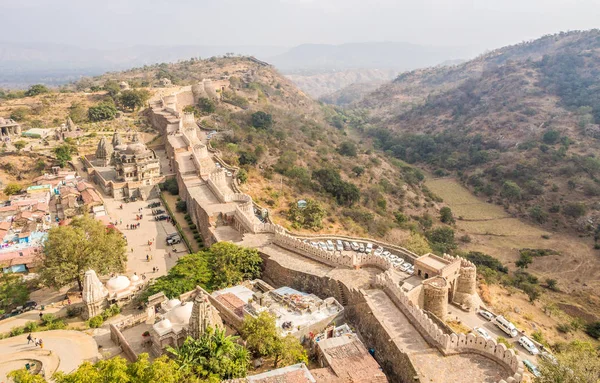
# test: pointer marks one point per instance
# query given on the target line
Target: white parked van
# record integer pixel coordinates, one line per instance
(506, 326)
(528, 345)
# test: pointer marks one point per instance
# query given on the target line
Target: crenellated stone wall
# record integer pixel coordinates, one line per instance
(450, 344)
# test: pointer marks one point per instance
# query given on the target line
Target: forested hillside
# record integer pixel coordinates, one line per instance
(519, 126)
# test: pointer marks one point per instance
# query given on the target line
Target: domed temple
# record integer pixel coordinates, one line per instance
(124, 170)
(97, 296)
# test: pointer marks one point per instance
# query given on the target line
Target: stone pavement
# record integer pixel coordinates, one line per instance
(137, 239)
(63, 350)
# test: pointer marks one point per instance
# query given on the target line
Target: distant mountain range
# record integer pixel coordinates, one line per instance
(23, 64)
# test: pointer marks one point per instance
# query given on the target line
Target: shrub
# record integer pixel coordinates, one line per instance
(262, 120)
(193, 227)
(36, 89)
(348, 149)
(171, 186)
(95, 322)
(57, 325)
(15, 331)
(12, 188)
(574, 209)
(551, 137)
(48, 318)
(31, 326)
(446, 215)
(564, 328)
(101, 112)
(181, 206)
(206, 105)
(593, 329)
(19, 114)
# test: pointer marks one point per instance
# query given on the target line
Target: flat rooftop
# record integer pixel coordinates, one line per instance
(433, 261)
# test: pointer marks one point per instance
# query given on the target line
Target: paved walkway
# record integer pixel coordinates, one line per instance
(63, 350)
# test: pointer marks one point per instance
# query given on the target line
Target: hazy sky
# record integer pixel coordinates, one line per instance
(477, 23)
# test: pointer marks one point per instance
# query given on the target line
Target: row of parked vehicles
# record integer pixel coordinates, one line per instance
(510, 329)
(366, 248)
(228, 173)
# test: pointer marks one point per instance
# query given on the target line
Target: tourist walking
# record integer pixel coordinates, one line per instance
(147, 258)
(29, 338)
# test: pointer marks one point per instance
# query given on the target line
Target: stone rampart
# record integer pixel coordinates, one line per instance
(450, 344)
(117, 337)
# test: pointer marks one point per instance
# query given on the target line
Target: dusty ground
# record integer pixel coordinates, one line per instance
(493, 232)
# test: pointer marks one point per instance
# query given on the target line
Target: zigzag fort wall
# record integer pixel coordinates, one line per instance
(222, 212)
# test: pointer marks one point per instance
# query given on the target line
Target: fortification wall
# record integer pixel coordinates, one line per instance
(451, 344)
(117, 337)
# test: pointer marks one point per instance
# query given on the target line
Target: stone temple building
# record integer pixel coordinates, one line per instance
(9, 128)
(97, 296)
(124, 170)
(178, 320)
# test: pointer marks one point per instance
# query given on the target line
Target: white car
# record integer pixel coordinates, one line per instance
(482, 332)
(355, 246)
(386, 254)
(314, 244)
(486, 314)
(407, 265)
(402, 266)
(528, 345)
(330, 245)
(338, 245)
(411, 270)
(361, 247)
(217, 164)
(323, 246)
(369, 248)
(379, 251)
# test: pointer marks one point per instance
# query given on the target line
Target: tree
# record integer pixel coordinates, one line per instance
(101, 112)
(524, 261)
(446, 215)
(133, 99)
(538, 214)
(63, 154)
(12, 188)
(242, 176)
(247, 158)
(84, 244)
(206, 105)
(577, 362)
(213, 357)
(36, 89)
(358, 170)
(510, 191)
(593, 329)
(442, 239)
(112, 88)
(20, 145)
(13, 291)
(24, 376)
(263, 339)
(161, 370)
(574, 209)
(262, 120)
(551, 137)
(552, 284)
(347, 148)
(309, 217)
(190, 271)
(232, 264)
(417, 244)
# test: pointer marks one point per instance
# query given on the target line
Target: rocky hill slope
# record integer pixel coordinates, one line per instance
(519, 125)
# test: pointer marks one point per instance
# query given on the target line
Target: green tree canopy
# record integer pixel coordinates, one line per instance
(13, 291)
(133, 99)
(417, 244)
(190, 271)
(12, 188)
(232, 264)
(206, 105)
(101, 112)
(442, 239)
(262, 120)
(84, 244)
(578, 362)
(309, 217)
(118, 370)
(446, 215)
(20, 144)
(213, 357)
(511, 191)
(36, 89)
(63, 154)
(348, 148)
(263, 339)
(112, 88)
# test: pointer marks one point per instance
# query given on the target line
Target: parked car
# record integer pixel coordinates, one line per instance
(406, 265)
(323, 246)
(506, 326)
(173, 240)
(411, 270)
(386, 254)
(355, 246)
(528, 345)
(532, 368)
(161, 217)
(153, 205)
(330, 245)
(486, 314)
(29, 305)
(347, 246)
(361, 247)
(369, 248)
(157, 211)
(482, 332)
(314, 244)
(378, 251)
(229, 174)
(338, 245)
(401, 266)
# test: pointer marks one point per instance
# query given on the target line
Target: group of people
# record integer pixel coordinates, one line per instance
(133, 226)
(36, 341)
